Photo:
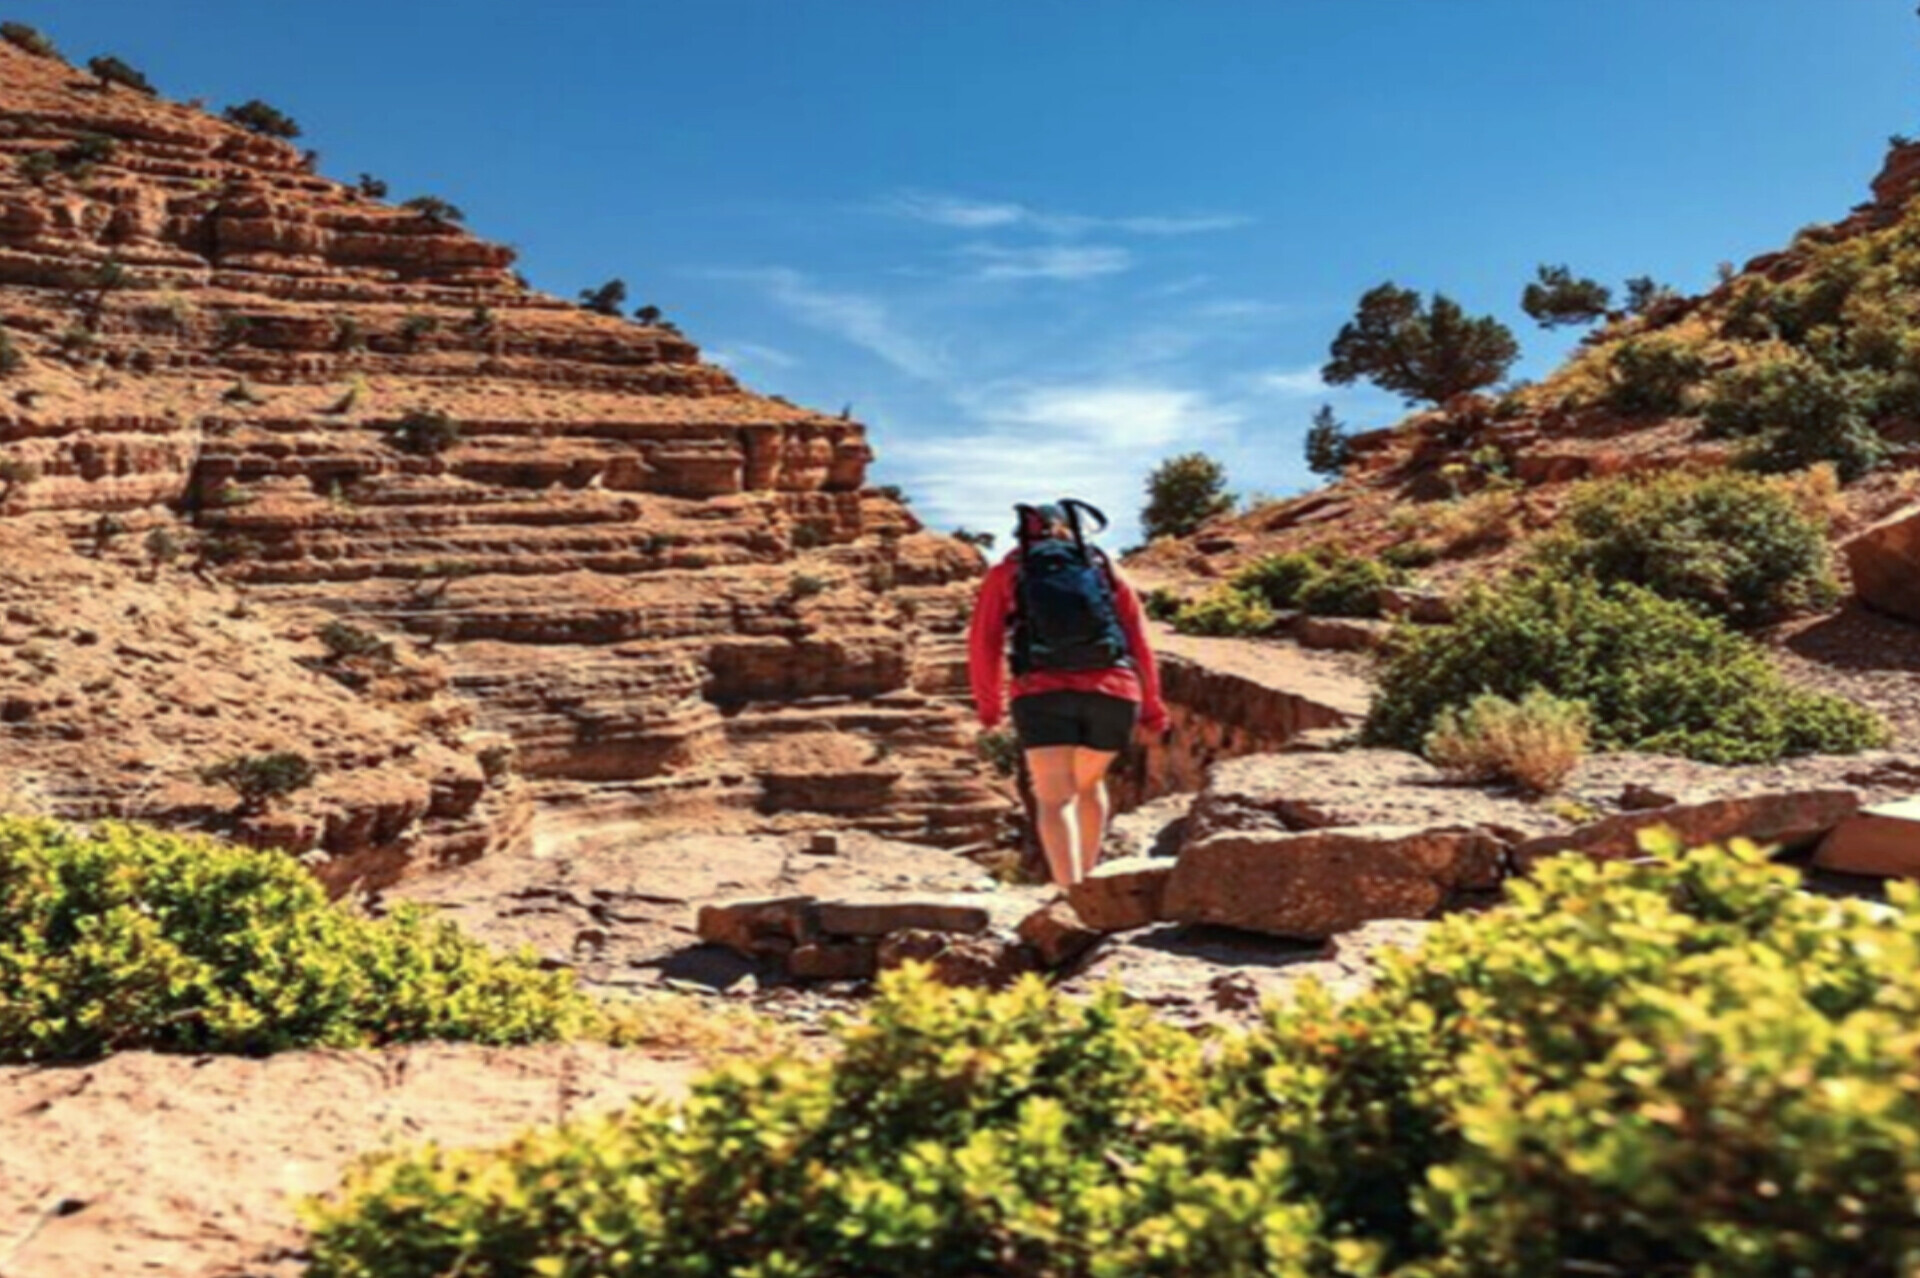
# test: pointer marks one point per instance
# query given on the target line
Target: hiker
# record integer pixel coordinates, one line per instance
(1083, 675)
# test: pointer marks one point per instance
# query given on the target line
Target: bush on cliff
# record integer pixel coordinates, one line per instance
(1657, 675)
(259, 117)
(110, 71)
(1736, 545)
(1686, 1067)
(122, 938)
(27, 38)
(427, 432)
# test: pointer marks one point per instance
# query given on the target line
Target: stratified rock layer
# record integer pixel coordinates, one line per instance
(676, 599)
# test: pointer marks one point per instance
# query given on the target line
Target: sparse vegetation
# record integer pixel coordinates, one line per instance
(1644, 293)
(234, 329)
(416, 326)
(427, 432)
(109, 71)
(1160, 604)
(161, 549)
(1657, 675)
(979, 540)
(257, 117)
(1606, 1075)
(241, 392)
(1224, 611)
(16, 472)
(1182, 493)
(11, 360)
(1735, 545)
(1798, 412)
(1534, 743)
(1327, 582)
(35, 167)
(345, 642)
(371, 187)
(124, 939)
(1328, 452)
(1653, 376)
(1422, 351)
(258, 779)
(1558, 298)
(347, 335)
(605, 300)
(805, 586)
(22, 36)
(1000, 749)
(434, 209)
(651, 316)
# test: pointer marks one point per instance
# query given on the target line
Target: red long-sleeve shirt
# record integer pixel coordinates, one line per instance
(987, 655)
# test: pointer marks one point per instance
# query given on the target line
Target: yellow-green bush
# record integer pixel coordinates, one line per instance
(1326, 582)
(1737, 545)
(1224, 610)
(119, 937)
(1689, 1067)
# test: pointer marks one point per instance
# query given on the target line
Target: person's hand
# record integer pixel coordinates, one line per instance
(1147, 735)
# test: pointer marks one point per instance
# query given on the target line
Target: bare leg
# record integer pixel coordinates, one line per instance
(1053, 791)
(1090, 804)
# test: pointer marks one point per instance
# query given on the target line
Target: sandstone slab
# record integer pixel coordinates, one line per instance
(1785, 818)
(1884, 562)
(877, 914)
(756, 925)
(1881, 840)
(1057, 934)
(1341, 634)
(1315, 884)
(1122, 894)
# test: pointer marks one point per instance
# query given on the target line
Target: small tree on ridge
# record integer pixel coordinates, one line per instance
(1182, 493)
(1421, 351)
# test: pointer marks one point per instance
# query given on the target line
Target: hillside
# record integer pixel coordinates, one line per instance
(1795, 358)
(639, 591)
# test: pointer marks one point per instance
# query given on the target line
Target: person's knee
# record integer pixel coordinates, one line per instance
(1055, 800)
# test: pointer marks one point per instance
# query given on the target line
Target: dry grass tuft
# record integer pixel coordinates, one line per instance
(1534, 743)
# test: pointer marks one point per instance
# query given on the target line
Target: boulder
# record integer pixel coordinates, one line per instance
(957, 960)
(1883, 840)
(1884, 562)
(1315, 884)
(1787, 819)
(1122, 894)
(756, 925)
(877, 914)
(1341, 634)
(1057, 934)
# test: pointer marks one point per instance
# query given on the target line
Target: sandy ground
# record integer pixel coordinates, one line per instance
(191, 1166)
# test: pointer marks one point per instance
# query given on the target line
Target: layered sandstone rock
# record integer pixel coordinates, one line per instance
(675, 598)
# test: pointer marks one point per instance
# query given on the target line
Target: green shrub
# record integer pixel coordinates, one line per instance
(110, 71)
(1651, 376)
(1684, 1067)
(1799, 413)
(344, 641)
(424, 431)
(1326, 582)
(804, 585)
(1329, 450)
(1534, 742)
(1225, 611)
(1736, 545)
(258, 117)
(35, 167)
(11, 360)
(1278, 578)
(1160, 603)
(605, 300)
(1406, 555)
(22, 36)
(434, 209)
(1657, 674)
(999, 749)
(260, 778)
(1347, 586)
(119, 938)
(371, 187)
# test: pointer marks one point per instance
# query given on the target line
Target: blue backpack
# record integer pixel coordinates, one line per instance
(1065, 617)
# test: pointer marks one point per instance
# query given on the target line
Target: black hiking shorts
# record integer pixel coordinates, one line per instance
(1089, 719)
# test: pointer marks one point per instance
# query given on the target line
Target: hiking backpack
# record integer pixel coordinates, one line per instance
(1065, 616)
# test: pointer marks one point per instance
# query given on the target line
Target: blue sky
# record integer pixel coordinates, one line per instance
(1041, 245)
